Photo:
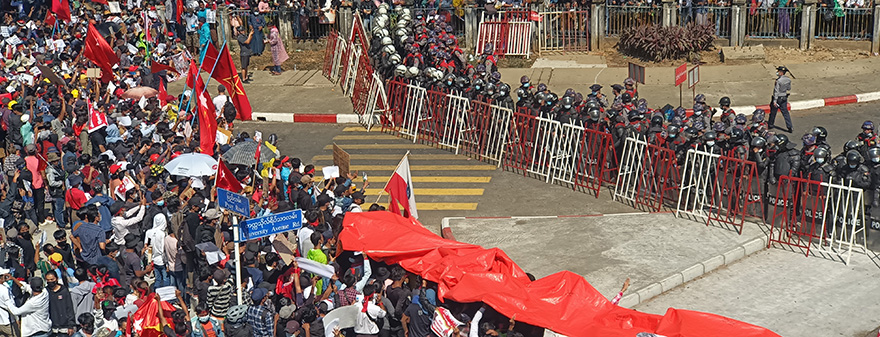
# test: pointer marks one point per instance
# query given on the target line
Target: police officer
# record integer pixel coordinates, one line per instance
(629, 85)
(867, 138)
(759, 156)
(854, 173)
(616, 90)
(656, 132)
(523, 98)
(565, 112)
(840, 160)
(526, 85)
(710, 143)
(874, 190)
(596, 93)
(786, 161)
(820, 168)
(808, 151)
(779, 101)
(503, 98)
(821, 138)
(739, 146)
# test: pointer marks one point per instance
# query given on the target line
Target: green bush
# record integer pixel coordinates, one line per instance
(657, 43)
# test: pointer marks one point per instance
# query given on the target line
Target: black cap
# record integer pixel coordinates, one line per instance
(357, 195)
(595, 87)
(617, 87)
(782, 69)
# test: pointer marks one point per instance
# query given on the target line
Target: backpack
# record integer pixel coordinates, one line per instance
(229, 111)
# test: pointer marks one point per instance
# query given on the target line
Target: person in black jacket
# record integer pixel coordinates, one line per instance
(61, 310)
(786, 161)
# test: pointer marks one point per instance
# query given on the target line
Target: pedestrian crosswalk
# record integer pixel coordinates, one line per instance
(442, 181)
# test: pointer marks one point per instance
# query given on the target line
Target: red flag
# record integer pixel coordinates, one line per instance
(145, 321)
(104, 2)
(226, 180)
(97, 119)
(206, 111)
(98, 50)
(163, 94)
(61, 8)
(399, 189)
(179, 11)
(50, 19)
(225, 73)
(156, 67)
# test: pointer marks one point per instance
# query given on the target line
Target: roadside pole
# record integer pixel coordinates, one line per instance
(236, 238)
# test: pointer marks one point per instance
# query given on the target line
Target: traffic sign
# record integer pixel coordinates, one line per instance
(681, 74)
(233, 201)
(637, 73)
(693, 76)
(271, 224)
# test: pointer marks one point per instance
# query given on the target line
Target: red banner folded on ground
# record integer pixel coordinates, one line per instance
(563, 302)
(223, 70)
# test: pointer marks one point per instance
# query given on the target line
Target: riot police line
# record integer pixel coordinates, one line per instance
(720, 171)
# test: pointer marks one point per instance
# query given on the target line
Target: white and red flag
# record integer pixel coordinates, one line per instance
(97, 119)
(400, 190)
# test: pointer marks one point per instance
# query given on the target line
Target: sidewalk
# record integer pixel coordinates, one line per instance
(746, 85)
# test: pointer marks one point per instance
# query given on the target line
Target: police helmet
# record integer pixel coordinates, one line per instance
(809, 139)
(718, 127)
(542, 87)
(874, 154)
(386, 41)
(725, 101)
(710, 136)
(594, 114)
(821, 152)
(567, 101)
(592, 104)
(700, 98)
(629, 81)
(394, 59)
(820, 132)
(400, 70)
(737, 134)
(635, 115)
(489, 48)
(540, 96)
(781, 140)
(412, 72)
(552, 98)
(480, 68)
(389, 49)
(759, 142)
(850, 145)
(449, 79)
(495, 76)
(740, 119)
(524, 80)
(657, 120)
(479, 84)
(503, 89)
(613, 113)
(383, 10)
(569, 92)
(868, 125)
(491, 88)
(758, 115)
(853, 158)
(626, 97)
(699, 125)
(521, 93)
(461, 82)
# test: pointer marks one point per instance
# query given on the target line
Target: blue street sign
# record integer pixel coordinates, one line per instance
(233, 201)
(271, 224)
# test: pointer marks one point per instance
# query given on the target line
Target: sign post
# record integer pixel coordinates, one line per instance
(233, 202)
(341, 159)
(637, 73)
(235, 236)
(271, 224)
(694, 78)
(680, 77)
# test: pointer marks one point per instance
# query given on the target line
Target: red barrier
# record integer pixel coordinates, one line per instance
(396, 104)
(361, 91)
(797, 212)
(730, 194)
(521, 141)
(590, 164)
(661, 178)
(329, 52)
(485, 131)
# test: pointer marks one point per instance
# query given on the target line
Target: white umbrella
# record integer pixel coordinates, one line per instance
(192, 165)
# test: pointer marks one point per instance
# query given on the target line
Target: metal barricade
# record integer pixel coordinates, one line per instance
(591, 161)
(716, 188)
(361, 88)
(565, 157)
(412, 113)
(774, 22)
(797, 212)
(849, 23)
(338, 61)
(520, 146)
(484, 132)
(396, 103)
(845, 209)
(449, 113)
(716, 16)
(351, 72)
(377, 102)
(619, 18)
(564, 31)
(329, 54)
(508, 38)
(648, 175)
(541, 164)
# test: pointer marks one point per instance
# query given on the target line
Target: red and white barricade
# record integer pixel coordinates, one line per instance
(716, 188)
(521, 142)
(377, 104)
(329, 53)
(484, 132)
(648, 175)
(510, 33)
(568, 148)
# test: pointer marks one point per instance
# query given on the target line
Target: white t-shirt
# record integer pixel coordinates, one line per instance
(219, 102)
(364, 325)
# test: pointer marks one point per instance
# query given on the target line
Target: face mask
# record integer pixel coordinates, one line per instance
(853, 166)
(820, 160)
(204, 319)
(710, 143)
(876, 159)
(9, 283)
(26, 236)
(51, 285)
(526, 85)
(160, 203)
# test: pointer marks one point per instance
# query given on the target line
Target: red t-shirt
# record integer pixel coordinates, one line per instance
(75, 197)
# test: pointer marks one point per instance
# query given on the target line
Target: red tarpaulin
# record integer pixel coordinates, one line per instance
(563, 302)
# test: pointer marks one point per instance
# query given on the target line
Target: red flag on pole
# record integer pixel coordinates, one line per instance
(49, 20)
(206, 111)
(156, 67)
(399, 189)
(179, 11)
(98, 50)
(226, 73)
(97, 119)
(226, 179)
(61, 8)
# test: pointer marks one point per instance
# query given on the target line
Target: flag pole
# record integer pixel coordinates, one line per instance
(199, 75)
(389, 179)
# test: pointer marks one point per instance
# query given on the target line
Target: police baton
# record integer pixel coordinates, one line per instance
(789, 72)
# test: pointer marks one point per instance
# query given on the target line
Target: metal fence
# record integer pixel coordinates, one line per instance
(707, 15)
(774, 22)
(618, 18)
(564, 31)
(304, 25)
(850, 23)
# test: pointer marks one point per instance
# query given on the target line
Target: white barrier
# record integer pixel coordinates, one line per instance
(698, 176)
(630, 170)
(352, 73)
(845, 207)
(377, 97)
(545, 145)
(454, 121)
(484, 132)
(512, 38)
(413, 112)
(336, 67)
(567, 152)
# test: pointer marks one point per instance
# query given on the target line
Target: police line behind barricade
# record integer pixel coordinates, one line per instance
(648, 175)
(450, 113)
(361, 90)
(591, 162)
(545, 144)
(521, 142)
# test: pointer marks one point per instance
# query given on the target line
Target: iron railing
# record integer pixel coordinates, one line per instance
(711, 15)
(848, 23)
(619, 18)
(773, 22)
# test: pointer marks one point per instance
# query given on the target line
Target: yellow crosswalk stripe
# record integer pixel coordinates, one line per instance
(437, 179)
(365, 137)
(395, 157)
(354, 129)
(446, 206)
(436, 191)
(409, 146)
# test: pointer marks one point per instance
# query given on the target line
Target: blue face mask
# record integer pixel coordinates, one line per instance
(9, 283)
(526, 85)
(160, 203)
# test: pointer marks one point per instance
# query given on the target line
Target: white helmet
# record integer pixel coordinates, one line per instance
(400, 32)
(400, 70)
(403, 39)
(383, 10)
(389, 49)
(394, 59)
(406, 11)
(413, 72)
(386, 41)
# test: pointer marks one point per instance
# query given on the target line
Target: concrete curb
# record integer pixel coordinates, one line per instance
(353, 118)
(756, 244)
